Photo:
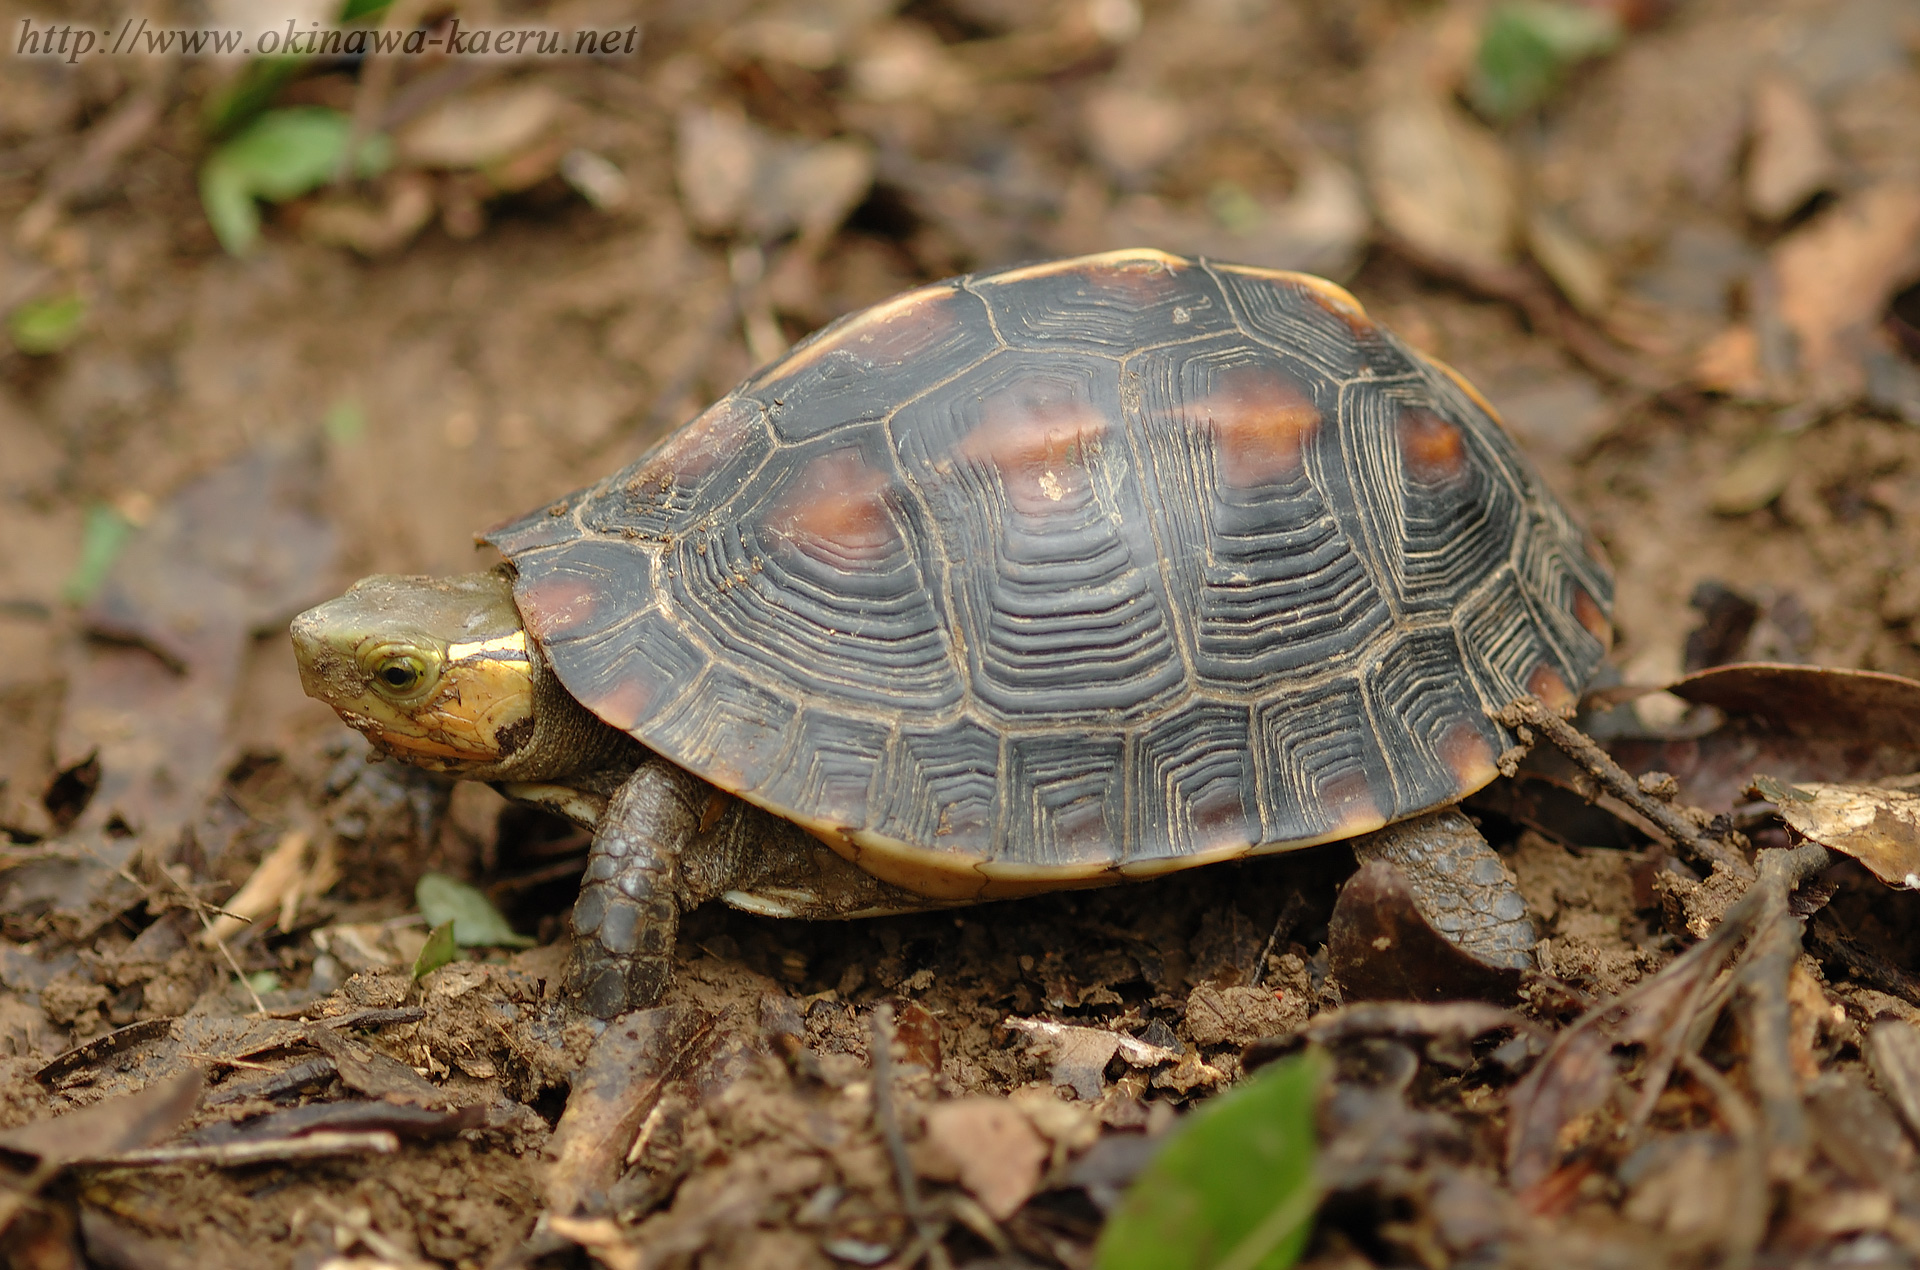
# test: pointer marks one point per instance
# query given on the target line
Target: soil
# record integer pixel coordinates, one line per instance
(524, 341)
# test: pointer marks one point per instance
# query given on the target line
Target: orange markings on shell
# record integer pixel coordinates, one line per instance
(1041, 442)
(1468, 755)
(839, 503)
(1219, 819)
(1261, 422)
(625, 703)
(688, 454)
(555, 605)
(888, 334)
(1350, 804)
(1545, 683)
(1432, 451)
(1588, 614)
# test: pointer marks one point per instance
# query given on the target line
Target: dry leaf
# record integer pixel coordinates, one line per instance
(1730, 363)
(276, 885)
(994, 1151)
(904, 61)
(1799, 723)
(479, 129)
(1878, 827)
(1893, 1052)
(1835, 276)
(1573, 264)
(369, 228)
(736, 176)
(1081, 1054)
(1790, 160)
(1132, 133)
(1755, 478)
(1441, 182)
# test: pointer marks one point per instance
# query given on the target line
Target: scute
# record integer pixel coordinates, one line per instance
(1091, 568)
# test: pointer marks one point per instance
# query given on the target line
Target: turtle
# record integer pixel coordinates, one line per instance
(1052, 576)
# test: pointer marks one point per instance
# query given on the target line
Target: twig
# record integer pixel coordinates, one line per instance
(1762, 921)
(234, 1154)
(200, 909)
(1763, 982)
(1747, 1226)
(1531, 712)
(926, 1231)
(1290, 913)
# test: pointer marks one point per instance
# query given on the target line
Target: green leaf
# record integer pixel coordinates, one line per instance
(346, 422)
(281, 155)
(102, 536)
(476, 922)
(264, 981)
(361, 8)
(1234, 1188)
(46, 326)
(1527, 48)
(1233, 209)
(437, 951)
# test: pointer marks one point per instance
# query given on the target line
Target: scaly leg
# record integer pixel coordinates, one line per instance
(628, 912)
(668, 841)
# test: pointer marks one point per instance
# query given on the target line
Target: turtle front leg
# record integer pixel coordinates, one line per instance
(668, 841)
(628, 913)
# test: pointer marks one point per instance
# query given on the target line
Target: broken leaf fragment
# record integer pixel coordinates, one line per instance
(476, 922)
(103, 535)
(1878, 827)
(281, 155)
(988, 1147)
(1526, 50)
(1234, 1187)
(40, 327)
(437, 951)
(1755, 478)
(1442, 183)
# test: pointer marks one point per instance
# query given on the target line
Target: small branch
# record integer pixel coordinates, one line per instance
(201, 909)
(311, 1146)
(1769, 959)
(1290, 912)
(926, 1231)
(1531, 712)
(1747, 1225)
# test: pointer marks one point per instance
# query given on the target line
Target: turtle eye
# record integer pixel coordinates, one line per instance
(399, 675)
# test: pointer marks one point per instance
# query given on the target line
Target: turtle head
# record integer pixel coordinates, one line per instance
(436, 671)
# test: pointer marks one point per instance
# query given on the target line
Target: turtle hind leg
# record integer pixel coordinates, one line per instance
(1461, 886)
(628, 913)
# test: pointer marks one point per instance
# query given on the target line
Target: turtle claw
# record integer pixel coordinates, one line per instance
(607, 989)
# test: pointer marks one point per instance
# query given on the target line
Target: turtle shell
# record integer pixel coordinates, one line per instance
(1115, 564)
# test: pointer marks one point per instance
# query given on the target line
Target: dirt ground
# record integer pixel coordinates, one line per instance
(1682, 277)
